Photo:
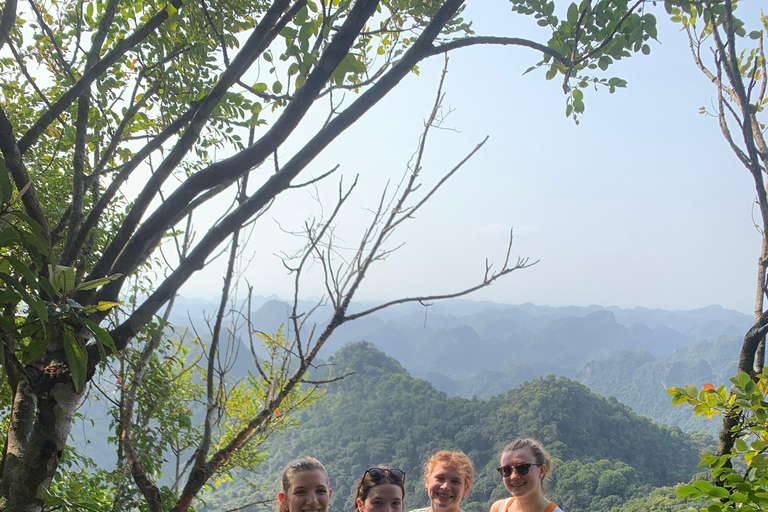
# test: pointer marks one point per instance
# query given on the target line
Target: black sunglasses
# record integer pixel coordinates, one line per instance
(378, 474)
(522, 469)
(396, 476)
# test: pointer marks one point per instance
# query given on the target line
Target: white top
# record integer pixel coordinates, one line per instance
(552, 507)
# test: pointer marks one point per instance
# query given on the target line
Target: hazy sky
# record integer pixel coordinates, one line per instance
(642, 204)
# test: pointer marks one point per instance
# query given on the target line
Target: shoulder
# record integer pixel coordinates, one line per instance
(557, 509)
(498, 506)
(425, 509)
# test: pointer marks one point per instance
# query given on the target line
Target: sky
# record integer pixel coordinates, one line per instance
(641, 204)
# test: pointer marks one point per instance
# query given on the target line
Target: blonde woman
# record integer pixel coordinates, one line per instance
(448, 478)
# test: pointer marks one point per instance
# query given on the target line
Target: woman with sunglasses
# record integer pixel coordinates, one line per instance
(380, 489)
(524, 466)
(304, 487)
(448, 479)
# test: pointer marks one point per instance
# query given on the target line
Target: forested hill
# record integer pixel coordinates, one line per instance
(604, 454)
(640, 381)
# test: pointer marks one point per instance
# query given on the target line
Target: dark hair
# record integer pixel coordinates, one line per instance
(457, 459)
(367, 482)
(297, 466)
(536, 448)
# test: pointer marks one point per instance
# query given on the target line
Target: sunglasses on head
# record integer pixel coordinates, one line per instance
(522, 469)
(378, 474)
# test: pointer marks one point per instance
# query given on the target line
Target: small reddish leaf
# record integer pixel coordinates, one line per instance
(708, 386)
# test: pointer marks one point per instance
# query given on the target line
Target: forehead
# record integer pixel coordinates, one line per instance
(387, 492)
(445, 470)
(522, 456)
(309, 479)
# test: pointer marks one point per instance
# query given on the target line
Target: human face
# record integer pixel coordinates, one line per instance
(522, 485)
(384, 497)
(309, 492)
(446, 486)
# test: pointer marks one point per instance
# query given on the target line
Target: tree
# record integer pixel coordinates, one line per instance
(734, 61)
(99, 95)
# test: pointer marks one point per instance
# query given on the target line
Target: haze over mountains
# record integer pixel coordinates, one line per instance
(472, 375)
(467, 348)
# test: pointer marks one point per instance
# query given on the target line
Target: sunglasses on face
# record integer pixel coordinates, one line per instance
(522, 469)
(378, 474)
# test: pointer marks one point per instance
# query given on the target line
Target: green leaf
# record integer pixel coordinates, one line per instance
(755, 34)
(9, 238)
(277, 87)
(24, 270)
(703, 485)
(36, 305)
(62, 278)
(719, 492)
(289, 33)
(77, 357)
(551, 72)
(573, 14)
(100, 333)
(759, 461)
(738, 497)
(95, 283)
(686, 491)
(742, 379)
(101, 306)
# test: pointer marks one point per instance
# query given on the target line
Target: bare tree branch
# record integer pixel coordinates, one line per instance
(511, 41)
(487, 280)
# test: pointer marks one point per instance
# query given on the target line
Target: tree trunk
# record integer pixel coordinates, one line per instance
(41, 419)
(759, 299)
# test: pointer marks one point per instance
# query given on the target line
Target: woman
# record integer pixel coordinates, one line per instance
(381, 489)
(524, 466)
(304, 487)
(448, 479)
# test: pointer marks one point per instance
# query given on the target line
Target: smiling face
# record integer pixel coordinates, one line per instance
(384, 497)
(308, 492)
(446, 486)
(522, 485)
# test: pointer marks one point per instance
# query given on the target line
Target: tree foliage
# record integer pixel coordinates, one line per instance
(740, 475)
